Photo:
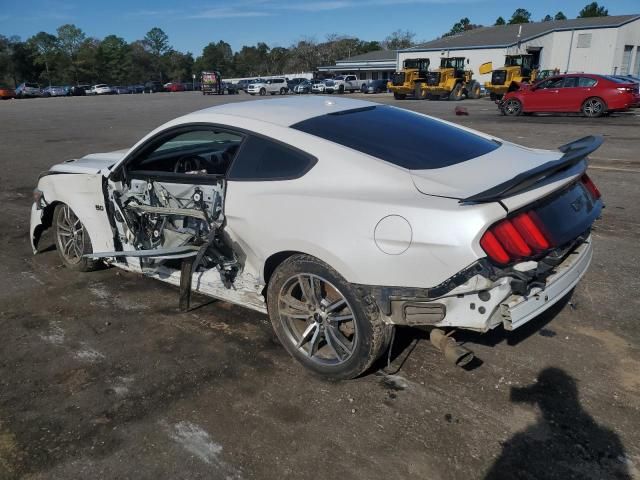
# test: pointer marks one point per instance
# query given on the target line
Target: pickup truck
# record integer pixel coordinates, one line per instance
(272, 86)
(345, 83)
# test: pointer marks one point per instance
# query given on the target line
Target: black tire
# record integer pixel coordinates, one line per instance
(363, 88)
(493, 97)
(283, 91)
(341, 89)
(512, 107)
(594, 107)
(263, 92)
(62, 216)
(418, 92)
(365, 334)
(456, 93)
(399, 96)
(473, 91)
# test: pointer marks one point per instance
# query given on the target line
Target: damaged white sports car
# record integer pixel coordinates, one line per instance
(339, 218)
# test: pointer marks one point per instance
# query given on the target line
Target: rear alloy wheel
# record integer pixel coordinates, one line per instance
(72, 240)
(283, 91)
(593, 107)
(321, 320)
(263, 92)
(512, 107)
(456, 93)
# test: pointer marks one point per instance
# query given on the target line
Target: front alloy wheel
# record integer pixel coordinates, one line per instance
(512, 107)
(72, 240)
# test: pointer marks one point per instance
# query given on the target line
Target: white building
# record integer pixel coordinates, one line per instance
(604, 45)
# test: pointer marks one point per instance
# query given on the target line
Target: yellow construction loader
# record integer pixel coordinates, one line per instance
(409, 80)
(451, 81)
(516, 70)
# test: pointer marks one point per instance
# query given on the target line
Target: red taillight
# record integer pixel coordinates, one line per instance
(589, 185)
(515, 238)
(527, 226)
(511, 240)
(492, 247)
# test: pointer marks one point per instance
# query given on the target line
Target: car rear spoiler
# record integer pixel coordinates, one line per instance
(574, 152)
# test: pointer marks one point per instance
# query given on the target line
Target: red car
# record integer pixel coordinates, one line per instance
(593, 95)
(174, 87)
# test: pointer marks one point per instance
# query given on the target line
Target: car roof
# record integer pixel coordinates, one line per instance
(282, 111)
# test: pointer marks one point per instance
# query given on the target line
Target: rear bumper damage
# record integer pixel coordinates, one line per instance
(481, 297)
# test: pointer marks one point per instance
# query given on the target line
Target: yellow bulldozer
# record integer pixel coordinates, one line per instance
(516, 70)
(451, 81)
(409, 80)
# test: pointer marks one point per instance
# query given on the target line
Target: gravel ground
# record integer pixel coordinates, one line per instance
(102, 377)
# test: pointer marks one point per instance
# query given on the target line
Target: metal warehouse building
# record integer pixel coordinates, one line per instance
(376, 65)
(605, 45)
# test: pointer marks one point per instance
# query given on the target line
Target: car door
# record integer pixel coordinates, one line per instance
(167, 196)
(570, 95)
(544, 96)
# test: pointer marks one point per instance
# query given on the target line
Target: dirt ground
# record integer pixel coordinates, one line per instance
(102, 377)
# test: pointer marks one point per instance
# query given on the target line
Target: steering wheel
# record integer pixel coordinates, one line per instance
(189, 163)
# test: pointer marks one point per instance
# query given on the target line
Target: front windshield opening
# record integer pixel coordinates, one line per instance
(457, 63)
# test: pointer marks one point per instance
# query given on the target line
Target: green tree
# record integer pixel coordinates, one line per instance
(45, 46)
(521, 15)
(593, 10)
(500, 21)
(216, 56)
(179, 66)
(70, 39)
(141, 63)
(88, 61)
(113, 61)
(560, 16)
(547, 18)
(157, 43)
(460, 27)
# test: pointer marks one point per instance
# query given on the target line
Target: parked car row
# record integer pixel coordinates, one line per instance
(33, 90)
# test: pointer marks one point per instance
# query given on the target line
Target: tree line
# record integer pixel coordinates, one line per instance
(522, 15)
(71, 57)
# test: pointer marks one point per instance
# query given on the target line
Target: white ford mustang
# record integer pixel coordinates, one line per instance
(339, 218)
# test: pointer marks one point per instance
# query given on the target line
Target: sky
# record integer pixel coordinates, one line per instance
(192, 24)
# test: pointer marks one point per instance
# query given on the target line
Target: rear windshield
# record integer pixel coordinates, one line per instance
(616, 79)
(399, 136)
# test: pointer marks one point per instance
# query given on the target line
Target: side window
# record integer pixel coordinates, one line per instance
(586, 82)
(570, 82)
(201, 151)
(262, 159)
